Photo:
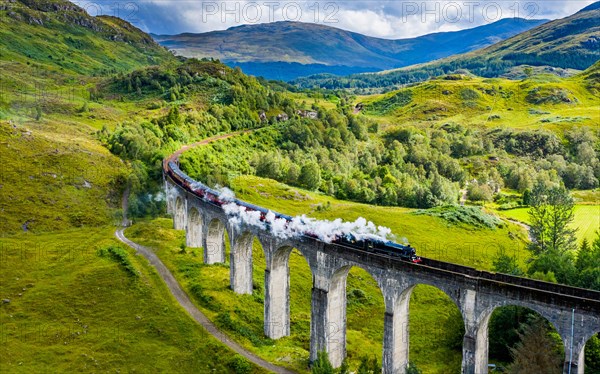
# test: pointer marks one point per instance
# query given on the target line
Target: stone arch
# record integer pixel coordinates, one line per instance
(482, 330)
(335, 340)
(214, 238)
(179, 216)
(277, 290)
(580, 359)
(193, 234)
(241, 263)
(397, 335)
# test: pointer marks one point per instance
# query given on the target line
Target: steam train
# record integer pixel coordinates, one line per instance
(388, 248)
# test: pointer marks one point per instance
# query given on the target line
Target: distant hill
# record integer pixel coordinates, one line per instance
(286, 50)
(568, 43)
(68, 40)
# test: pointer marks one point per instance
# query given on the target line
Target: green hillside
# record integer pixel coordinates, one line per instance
(540, 101)
(568, 43)
(58, 36)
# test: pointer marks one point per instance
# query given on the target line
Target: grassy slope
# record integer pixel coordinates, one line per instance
(74, 311)
(55, 176)
(496, 102)
(431, 311)
(58, 36)
(56, 282)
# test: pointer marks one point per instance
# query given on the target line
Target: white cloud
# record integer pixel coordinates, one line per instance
(380, 18)
(366, 22)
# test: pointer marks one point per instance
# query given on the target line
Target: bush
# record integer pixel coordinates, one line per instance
(469, 215)
(119, 255)
(322, 365)
(240, 365)
(412, 368)
(479, 192)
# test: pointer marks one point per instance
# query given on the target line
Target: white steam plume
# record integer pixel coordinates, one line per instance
(324, 230)
(225, 194)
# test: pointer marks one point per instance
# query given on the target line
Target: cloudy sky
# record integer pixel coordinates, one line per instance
(380, 18)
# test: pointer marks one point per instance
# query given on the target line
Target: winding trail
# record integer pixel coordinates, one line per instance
(178, 292)
(525, 226)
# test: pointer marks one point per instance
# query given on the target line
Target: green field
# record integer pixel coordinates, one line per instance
(586, 220)
(436, 336)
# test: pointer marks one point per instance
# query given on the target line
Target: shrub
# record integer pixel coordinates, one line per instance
(469, 215)
(322, 365)
(479, 192)
(240, 365)
(119, 255)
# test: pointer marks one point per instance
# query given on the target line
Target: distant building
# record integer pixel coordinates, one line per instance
(308, 114)
(262, 116)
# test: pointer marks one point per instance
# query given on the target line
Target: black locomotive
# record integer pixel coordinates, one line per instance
(389, 248)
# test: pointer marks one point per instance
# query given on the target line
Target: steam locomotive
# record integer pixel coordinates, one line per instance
(389, 248)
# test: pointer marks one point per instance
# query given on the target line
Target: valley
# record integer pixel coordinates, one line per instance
(91, 105)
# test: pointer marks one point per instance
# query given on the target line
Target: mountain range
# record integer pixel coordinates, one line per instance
(287, 50)
(572, 42)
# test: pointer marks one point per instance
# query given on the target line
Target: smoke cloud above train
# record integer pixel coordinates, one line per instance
(294, 227)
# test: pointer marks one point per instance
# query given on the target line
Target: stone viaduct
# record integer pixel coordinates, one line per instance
(575, 313)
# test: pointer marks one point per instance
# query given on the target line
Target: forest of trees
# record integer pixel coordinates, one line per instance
(338, 154)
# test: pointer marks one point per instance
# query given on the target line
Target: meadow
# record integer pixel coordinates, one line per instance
(586, 220)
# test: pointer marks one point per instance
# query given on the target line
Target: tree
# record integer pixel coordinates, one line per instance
(584, 255)
(504, 328)
(369, 366)
(479, 192)
(506, 264)
(592, 355)
(310, 175)
(411, 368)
(554, 266)
(322, 365)
(588, 264)
(550, 214)
(537, 352)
